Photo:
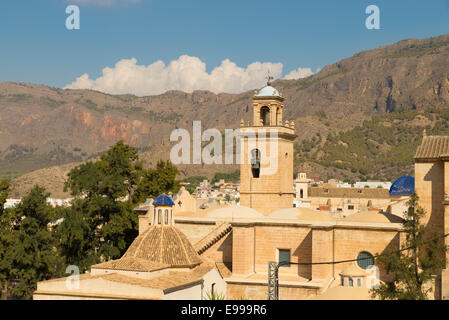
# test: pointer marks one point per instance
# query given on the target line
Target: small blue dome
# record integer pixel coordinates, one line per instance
(163, 200)
(405, 185)
(268, 91)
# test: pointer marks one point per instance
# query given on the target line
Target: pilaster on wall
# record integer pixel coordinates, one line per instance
(242, 250)
(322, 251)
(445, 271)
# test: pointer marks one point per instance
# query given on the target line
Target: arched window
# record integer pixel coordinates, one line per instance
(365, 259)
(166, 216)
(265, 116)
(351, 284)
(359, 282)
(255, 163)
(159, 216)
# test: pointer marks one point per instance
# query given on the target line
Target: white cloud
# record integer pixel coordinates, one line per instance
(299, 73)
(187, 74)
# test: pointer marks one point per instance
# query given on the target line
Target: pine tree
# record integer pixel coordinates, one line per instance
(103, 224)
(421, 257)
(28, 251)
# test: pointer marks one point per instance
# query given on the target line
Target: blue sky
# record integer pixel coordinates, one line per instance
(36, 47)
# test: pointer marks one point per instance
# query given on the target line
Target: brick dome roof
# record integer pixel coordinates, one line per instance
(165, 245)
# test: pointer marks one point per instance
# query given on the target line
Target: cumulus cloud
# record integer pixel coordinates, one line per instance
(187, 74)
(299, 73)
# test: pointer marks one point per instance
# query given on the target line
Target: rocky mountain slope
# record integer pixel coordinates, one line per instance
(42, 126)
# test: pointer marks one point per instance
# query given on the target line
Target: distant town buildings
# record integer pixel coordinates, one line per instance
(12, 203)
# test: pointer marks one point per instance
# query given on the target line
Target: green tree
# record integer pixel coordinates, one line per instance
(77, 242)
(157, 181)
(104, 191)
(114, 176)
(413, 268)
(27, 250)
(5, 188)
(101, 224)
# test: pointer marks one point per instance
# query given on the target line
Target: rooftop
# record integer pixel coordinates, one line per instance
(405, 185)
(432, 148)
(163, 200)
(165, 245)
(268, 91)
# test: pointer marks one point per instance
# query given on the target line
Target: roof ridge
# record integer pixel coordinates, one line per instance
(161, 257)
(211, 238)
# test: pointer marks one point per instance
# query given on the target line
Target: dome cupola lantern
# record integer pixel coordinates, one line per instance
(163, 211)
(267, 106)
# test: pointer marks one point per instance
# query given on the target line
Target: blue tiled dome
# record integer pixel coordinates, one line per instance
(163, 200)
(405, 185)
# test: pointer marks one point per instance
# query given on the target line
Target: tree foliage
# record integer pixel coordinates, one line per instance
(157, 181)
(422, 255)
(5, 188)
(28, 251)
(102, 223)
(38, 242)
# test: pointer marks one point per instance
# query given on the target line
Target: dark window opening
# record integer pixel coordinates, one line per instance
(265, 116)
(301, 193)
(284, 256)
(255, 163)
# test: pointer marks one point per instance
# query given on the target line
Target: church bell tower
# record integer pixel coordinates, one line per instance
(266, 169)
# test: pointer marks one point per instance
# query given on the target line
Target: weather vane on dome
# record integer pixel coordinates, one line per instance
(269, 78)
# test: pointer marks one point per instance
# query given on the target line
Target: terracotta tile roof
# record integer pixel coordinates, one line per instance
(213, 237)
(164, 245)
(432, 147)
(131, 264)
(171, 280)
(349, 192)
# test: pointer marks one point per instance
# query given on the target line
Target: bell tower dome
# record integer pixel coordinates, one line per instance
(267, 185)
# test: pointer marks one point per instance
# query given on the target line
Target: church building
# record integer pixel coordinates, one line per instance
(183, 252)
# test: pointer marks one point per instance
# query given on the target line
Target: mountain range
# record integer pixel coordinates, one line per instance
(359, 118)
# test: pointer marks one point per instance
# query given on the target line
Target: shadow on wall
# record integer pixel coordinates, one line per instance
(436, 176)
(304, 254)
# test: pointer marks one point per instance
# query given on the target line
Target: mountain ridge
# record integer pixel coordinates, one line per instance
(42, 126)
